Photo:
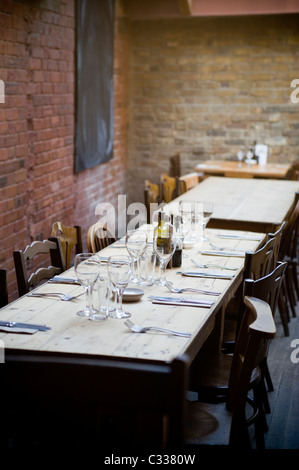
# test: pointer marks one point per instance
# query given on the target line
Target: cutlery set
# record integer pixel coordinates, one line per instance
(13, 324)
(155, 299)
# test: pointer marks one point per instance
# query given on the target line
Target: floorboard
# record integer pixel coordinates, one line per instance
(283, 420)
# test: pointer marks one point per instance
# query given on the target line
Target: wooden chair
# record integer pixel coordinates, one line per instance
(288, 251)
(175, 166)
(294, 174)
(70, 238)
(151, 196)
(3, 288)
(226, 423)
(283, 302)
(188, 181)
(34, 252)
(256, 265)
(211, 376)
(93, 402)
(168, 188)
(98, 237)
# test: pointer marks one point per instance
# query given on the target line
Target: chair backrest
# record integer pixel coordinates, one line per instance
(288, 243)
(175, 166)
(3, 288)
(188, 181)
(256, 265)
(70, 238)
(251, 350)
(267, 287)
(278, 236)
(98, 237)
(34, 252)
(259, 262)
(109, 401)
(168, 188)
(151, 196)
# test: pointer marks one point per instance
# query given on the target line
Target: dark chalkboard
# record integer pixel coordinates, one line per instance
(94, 83)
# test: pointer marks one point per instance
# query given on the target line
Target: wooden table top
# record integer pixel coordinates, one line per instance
(245, 204)
(73, 334)
(245, 170)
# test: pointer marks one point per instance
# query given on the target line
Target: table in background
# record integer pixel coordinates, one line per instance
(254, 170)
(257, 205)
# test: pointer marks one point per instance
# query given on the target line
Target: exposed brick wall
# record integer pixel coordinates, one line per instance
(206, 87)
(37, 182)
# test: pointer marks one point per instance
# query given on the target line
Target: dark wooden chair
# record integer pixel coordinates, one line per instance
(37, 253)
(105, 403)
(226, 423)
(70, 238)
(3, 288)
(256, 265)
(175, 166)
(98, 237)
(152, 195)
(211, 376)
(188, 181)
(169, 188)
(288, 251)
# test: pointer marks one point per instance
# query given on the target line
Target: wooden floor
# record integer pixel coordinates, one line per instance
(283, 420)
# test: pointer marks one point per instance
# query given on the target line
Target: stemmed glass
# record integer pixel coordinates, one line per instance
(240, 156)
(87, 269)
(119, 272)
(136, 241)
(187, 218)
(164, 249)
(206, 210)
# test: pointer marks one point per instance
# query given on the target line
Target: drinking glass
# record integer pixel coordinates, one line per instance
(136, 241)
(164, 248)
(240, 156)
(119, 272)
(204, 208)
(187, 212)
(87, 269)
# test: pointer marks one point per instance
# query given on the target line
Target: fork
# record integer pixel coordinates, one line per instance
(190, 289)
(211, 265)
(54, 294)
(142, 329)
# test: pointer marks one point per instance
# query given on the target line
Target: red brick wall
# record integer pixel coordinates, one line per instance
(37, 182)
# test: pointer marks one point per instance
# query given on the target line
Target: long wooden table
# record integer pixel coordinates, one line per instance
(72, 334)
(64, 370)
(244, 170)
(258, 205)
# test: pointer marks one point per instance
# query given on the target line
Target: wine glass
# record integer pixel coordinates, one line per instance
(164, 246)
(136, 241)
(187, 218)
(87, 269)
(240, 156)
(204, 208)
(119, 272)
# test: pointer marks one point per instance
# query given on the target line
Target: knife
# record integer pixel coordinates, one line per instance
(238, 254)
(13, 324)
(241, 237)
(181, 300)
(186, 302)
(64, 280)
(211, 275)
